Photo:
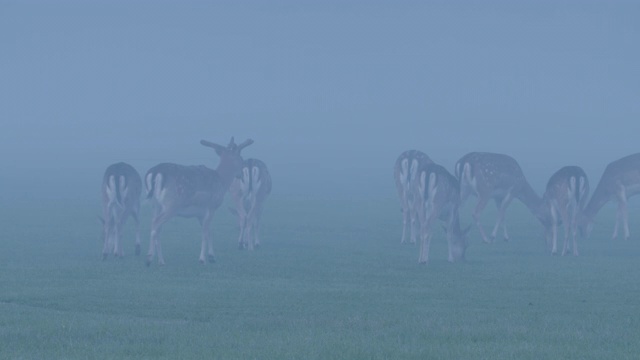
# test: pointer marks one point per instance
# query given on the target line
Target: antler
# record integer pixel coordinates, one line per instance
(212, 145)
(245, 144)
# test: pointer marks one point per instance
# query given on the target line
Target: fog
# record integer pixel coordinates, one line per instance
(330, 91)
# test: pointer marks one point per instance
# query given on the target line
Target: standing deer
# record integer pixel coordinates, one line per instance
(121, 188)
(565, 197)
(249, 191)
(620, 181)
(191, 191)
(405, 175)
(498, 177)
(441, 199)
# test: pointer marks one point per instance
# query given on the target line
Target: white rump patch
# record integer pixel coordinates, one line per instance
(148, 181)
(245, 180)
(159, 192)
(414, 170)
(111, 188)
(433, 186)
(582, 186)
(255, 177)
(422, 184)
(123, 188)
(468, 178)
(572, 187)
(404, 172)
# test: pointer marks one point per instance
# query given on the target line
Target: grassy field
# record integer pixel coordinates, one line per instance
(331, 281)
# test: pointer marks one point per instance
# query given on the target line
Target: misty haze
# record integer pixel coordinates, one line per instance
(318, 212)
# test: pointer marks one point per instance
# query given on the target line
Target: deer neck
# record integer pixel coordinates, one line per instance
(598, 199)
(531, 200)
(227, 171)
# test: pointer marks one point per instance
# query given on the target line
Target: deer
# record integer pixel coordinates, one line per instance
(121, 189)
(191, 191)
(439, 191)
(405, 175)
(249, 191)
(565, 197)
(620, 181)
(498, 177)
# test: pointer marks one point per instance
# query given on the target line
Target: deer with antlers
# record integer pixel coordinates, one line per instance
(565, 197)
(121, 189)
(439, 191)
(249, 191)
(405, 175)
(620, 181)
(191, 191)
(498, 177)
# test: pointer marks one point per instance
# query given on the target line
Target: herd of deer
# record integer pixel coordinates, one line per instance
(186, 191)
(429, 192)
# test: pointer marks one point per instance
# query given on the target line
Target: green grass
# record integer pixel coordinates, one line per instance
(330, 281)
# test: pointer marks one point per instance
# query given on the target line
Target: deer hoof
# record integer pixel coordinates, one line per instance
(212, 259)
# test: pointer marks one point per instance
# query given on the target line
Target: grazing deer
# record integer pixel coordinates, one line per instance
(620, 181)
(249, 191)
(191, 191)
(441, 199)
(405, 175)
(121, 188)
(565, 197)
(498, 177)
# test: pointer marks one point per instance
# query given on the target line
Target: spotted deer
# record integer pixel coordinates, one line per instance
(440, 196)
(498, 177)
(565, 197)
(121, 189)
(191, 191)
(249, 191)
(620, 181)
(405, 175)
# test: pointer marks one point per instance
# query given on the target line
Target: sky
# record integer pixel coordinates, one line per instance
(330, 91)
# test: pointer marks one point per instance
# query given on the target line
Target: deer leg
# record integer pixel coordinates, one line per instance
(251, 232)
(256, 229)
(413, 222)
(106, 238)
(482, 202)
(623, 210)
(207, 240)
(618, 216)
(554, 230)
(137, 225)
(425, 241)
(242, 220)
(501, 210)
(426, 238)
(405, 218)
(567, 225)
(117, 247)
(154, 242)
(574, 228)
(449, 230)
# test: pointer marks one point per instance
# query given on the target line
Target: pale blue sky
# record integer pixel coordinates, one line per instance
(331, 91)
